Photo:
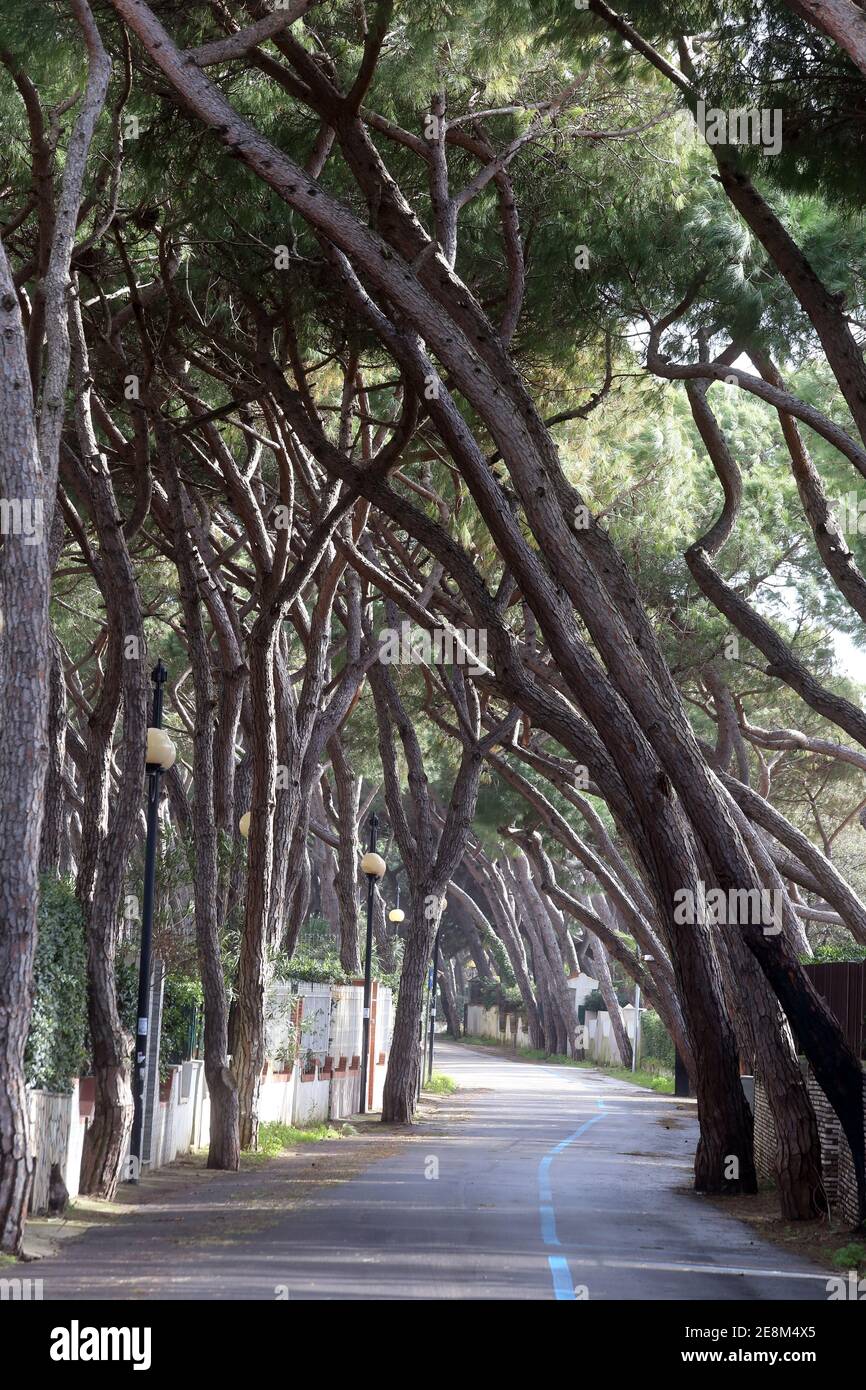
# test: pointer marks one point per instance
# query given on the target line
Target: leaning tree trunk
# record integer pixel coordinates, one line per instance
(548, 951)
(112, 836)
(448, 996)
(479, 953)
(508, 932)
(601, 969)
(224, 1142)
(24, 588)
(766, 1039)
(551, 1024)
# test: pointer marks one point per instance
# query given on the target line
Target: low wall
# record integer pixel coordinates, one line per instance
(324, 1085)
(600, 1043)
(595, 1039)
(503, 1026)
(837, 1162)
(57, 1135)
(765, 1142)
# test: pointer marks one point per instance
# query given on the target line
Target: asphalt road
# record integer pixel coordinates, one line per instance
(551, 1182)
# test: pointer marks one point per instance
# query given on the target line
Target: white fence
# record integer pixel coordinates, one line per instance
(57, 1133)
(324, 1023)
(594, 1037)
(508, 1029)
(600, 1042)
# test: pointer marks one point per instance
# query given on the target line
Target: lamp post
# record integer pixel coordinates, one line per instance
(159, 758)
(635, 1050)
(373, 865)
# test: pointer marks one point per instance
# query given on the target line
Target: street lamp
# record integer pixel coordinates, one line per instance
(160, 756)
(374, 866)
(244, 824)
(636, 1047)
(397, 914)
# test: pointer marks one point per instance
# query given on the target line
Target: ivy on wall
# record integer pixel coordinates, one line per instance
(56, 1047)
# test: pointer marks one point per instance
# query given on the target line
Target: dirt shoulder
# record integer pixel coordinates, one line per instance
(210, 1205)
(827, 1242)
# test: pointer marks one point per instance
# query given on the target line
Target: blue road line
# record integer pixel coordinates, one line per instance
(561, 1276)
(559, 1271)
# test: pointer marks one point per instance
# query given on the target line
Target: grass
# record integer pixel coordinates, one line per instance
(440, 1085)
(275, 1138)
(662, 1082)
(851, 1256)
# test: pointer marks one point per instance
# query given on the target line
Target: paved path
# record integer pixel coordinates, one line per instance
(548, 1180)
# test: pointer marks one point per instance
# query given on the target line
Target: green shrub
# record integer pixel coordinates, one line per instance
(836, 951)
(56, 1046)
(595, 1001)
(181, 1020)
(440, 1084)
(851, 1256)
(492, 994)
(316, 958)
(655, 1041)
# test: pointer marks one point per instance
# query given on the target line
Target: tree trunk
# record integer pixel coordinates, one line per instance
(561, 996)
(330, 907)
(112, 836)
(347, 788)
(601, 970)
(769, 1048)
(447, 995)
(551, 1025)
(24, 675)
(843, 20)
(404, 1062)
(249, 1041)
(479, 953)
(383, 936)
(224, 1145)
(508, 931)
(55, 793)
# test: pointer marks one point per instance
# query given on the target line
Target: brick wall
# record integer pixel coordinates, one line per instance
(847, 1182)
(837, 1163)
(765, 1135)
(829, 1133)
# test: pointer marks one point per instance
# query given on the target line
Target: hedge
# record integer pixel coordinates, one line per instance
(56, 1046)
(655, 1039)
